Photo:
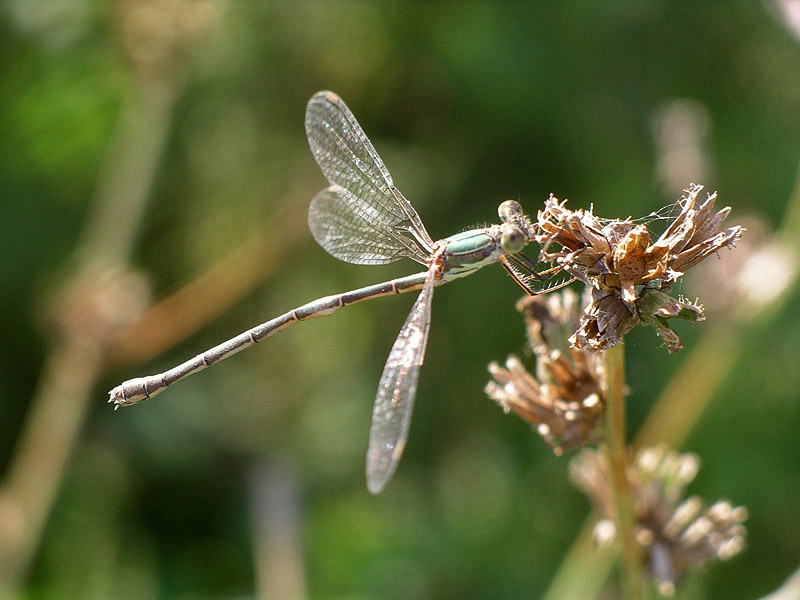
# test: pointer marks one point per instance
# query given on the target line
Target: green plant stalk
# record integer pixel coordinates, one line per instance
(617, 452)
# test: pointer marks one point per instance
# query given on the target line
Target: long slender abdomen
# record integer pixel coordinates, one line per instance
(135, 390)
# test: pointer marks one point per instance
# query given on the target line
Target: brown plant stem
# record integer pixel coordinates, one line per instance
(617, 453)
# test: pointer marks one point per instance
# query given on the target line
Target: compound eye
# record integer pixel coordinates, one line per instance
(508, 210)
(513, 240)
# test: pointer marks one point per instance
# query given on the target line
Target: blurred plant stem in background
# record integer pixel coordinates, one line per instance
(101, 312)
(79, 344)
(690, 391)
(97, 297)
(790, 590)
(276, 523)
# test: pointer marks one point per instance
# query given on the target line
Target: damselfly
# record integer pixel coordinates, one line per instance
(363, 218)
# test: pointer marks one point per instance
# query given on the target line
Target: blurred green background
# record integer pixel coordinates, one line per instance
(187, 117)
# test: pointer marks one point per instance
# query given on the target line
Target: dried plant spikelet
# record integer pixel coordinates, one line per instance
(563, 401)
(675, 534)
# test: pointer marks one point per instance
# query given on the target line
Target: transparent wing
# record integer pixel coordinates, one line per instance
(349, 161)
(394, 403)
(348, 237)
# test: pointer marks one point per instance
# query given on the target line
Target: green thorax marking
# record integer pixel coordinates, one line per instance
(469, 251)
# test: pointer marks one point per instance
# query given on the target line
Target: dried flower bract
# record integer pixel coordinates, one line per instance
(675, 533)
(564, 401)
(630, 278)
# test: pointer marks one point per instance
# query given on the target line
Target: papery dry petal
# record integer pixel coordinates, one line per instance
(688, 259)
(604, 322)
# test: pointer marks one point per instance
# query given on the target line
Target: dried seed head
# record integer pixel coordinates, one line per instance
(675, 533)
(629, 277)
(564, 400)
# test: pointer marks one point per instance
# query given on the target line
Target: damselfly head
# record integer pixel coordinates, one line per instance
(513, 239)
(516, 229)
